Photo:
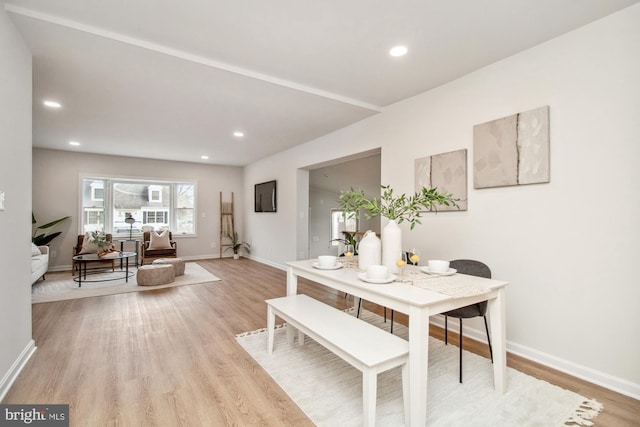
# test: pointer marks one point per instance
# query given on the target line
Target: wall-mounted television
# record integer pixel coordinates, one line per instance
(265, 197)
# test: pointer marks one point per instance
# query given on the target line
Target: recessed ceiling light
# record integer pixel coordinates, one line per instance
(204, 157)
(238, 134)
(398, 51)
(52, 104)
(74, 143)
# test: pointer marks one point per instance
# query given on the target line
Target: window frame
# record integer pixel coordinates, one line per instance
(108, 202)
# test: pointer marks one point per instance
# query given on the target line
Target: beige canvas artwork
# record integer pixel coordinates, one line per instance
(513, 150)
(447, 172)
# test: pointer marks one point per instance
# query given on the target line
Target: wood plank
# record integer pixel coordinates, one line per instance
(169, 356)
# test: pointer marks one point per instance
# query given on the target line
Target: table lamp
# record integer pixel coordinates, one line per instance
(130, 220)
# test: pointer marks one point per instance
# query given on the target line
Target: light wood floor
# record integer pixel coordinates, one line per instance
(168, 357)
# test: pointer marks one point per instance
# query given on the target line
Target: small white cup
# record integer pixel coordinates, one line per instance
(437, 266)
(377, 272)
(327, 260)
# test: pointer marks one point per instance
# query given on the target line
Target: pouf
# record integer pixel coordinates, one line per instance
(155, 274)
(178, 264)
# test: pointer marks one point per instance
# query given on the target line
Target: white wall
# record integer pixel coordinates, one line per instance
(16, 344)
(568, 247)
(56, 179)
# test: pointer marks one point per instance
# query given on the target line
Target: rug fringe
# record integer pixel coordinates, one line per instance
(258, 331)
(588, 410)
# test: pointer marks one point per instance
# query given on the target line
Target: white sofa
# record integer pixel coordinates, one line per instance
(39, 263)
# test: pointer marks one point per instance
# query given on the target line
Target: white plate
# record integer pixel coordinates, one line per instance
(336, 266)
(390, 278)
(449, 272)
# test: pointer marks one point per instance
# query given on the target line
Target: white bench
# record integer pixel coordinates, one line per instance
(364, 346)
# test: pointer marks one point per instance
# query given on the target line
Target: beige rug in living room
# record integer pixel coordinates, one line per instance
(61, 286)
(329, 390)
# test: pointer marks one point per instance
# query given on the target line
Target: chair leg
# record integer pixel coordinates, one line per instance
(359, 306)
(460, 350)
(486, 327)
(384, 311)
(446, 330)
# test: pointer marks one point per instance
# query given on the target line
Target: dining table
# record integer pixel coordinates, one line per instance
(419, 297)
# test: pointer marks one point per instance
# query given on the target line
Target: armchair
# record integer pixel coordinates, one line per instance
(149, 253)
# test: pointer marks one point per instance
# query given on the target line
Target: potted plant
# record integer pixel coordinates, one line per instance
(43, 238)
(349, 239)
(236, 245)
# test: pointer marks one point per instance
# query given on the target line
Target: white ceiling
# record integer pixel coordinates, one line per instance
(172, 80)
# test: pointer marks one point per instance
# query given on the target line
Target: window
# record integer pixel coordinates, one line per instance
(155, 217)
(155, 193)
(341, 222)
(97, 191)
(107, 202)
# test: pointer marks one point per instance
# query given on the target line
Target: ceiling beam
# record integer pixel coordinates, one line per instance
(188, 56)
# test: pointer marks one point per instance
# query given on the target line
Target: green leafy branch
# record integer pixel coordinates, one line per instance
(399, 208)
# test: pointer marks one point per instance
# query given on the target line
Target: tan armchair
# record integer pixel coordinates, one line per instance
(77, 249)
(148, 255)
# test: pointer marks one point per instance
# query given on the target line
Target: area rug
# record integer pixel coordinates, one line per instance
(61, 286)
(329, 390)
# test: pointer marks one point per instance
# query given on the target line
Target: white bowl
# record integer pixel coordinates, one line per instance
(438, 266)
(377, 272)
(327, 260)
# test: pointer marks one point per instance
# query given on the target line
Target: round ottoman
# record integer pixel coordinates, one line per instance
(155, 274)
(178, 264)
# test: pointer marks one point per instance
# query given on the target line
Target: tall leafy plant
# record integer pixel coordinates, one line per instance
(237, 245)
(44, 239)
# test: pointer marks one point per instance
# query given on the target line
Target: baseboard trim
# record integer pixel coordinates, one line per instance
(17, 367)
(619, 385)
(268, 262)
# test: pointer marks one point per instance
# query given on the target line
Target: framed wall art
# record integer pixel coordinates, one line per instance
(513, 150)
(446, 172)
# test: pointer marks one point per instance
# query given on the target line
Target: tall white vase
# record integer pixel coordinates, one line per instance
(391, 245)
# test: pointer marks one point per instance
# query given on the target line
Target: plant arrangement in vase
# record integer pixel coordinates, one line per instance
(99, 238)
(237, 245)
(397, 209)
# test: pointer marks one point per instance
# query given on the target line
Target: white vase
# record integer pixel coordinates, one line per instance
(369, 250)
(391, 245)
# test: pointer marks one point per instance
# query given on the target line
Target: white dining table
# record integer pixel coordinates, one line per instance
(418, 303)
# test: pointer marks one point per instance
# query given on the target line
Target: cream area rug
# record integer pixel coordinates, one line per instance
(329, 390)
(61, 286)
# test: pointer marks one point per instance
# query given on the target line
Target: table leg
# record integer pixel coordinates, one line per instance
(80, 273)
(418, 363)
(126, 273)
(292, 289)
(497, 308)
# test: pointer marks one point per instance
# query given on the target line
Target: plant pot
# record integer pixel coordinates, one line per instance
(236, 256)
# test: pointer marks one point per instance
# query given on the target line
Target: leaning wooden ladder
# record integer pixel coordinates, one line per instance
(227, 226)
